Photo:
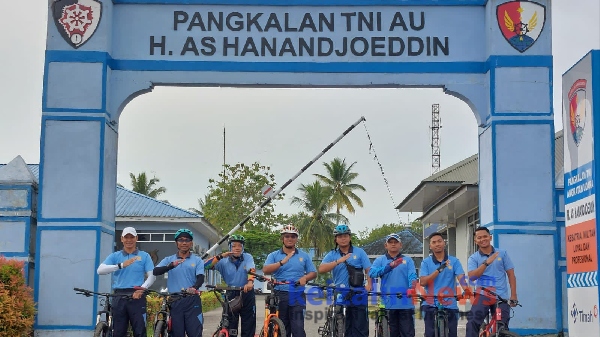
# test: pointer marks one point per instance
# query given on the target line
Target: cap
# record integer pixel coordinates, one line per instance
(393, 236)
(129, 230)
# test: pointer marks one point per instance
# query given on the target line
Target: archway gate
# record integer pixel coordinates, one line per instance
(494, 55)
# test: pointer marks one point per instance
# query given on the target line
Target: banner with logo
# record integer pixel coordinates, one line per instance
(580, 200)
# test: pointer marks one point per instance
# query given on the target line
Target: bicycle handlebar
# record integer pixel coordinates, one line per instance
(89, 293)
(500, 299)
(263, 278)
(220, 288)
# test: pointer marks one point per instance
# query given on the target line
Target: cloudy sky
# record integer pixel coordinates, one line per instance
(177, 133)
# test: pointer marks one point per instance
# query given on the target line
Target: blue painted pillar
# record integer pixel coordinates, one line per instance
(77, 174)
(516, 159)
(18, 197)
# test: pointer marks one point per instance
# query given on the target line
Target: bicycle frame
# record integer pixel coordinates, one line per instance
(224, 323)
(104, 315)
(492, 324)
(164, 313)
(271, 301)
(441, 313)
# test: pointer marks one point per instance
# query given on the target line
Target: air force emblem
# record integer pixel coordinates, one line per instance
(76, 20)
(521, 22)
(577, 109)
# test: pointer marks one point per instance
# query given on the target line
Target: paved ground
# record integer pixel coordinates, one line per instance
(312, 323)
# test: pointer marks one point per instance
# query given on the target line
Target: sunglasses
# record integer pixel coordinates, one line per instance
(184, 240)
(290, 236)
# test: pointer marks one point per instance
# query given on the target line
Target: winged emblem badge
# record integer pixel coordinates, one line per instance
(521, 22)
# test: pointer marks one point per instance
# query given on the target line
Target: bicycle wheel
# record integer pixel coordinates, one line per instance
(506, 333)
(441, 329)
(340, 326)
(160, 328)
(101, 330)
(275, 328)
(383, 328)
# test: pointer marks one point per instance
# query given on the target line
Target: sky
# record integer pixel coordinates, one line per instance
(177, 133)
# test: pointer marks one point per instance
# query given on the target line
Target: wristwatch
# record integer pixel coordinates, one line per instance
(486, 264)
(280, 263)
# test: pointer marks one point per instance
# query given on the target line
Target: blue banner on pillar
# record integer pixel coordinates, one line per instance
(579, 183)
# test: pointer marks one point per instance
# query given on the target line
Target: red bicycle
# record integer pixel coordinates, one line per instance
(493, 325)
(272, 325)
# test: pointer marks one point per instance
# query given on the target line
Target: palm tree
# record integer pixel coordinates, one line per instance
(339, 179)
(315, 223)
(142, 185)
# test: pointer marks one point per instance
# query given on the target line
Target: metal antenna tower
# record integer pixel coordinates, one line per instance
(435, 138)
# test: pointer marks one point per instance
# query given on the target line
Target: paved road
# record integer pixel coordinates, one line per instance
(314, 319)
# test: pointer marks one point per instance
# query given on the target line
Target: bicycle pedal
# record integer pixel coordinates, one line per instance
(233, 332)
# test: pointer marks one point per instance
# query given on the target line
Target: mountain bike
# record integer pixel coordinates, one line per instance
(162, 318)
(104, 321)
(382, 322)
(223, 329)
(441, 313)
(335, 317)
(493, 325)
(272, 326)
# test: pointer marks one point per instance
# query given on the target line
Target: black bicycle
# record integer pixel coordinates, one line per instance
(104, 321)
(162, 319)
(441, 314)
(223, 328)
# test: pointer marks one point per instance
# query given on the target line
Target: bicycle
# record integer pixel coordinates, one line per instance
(382, 322)
(223, 329)
(492, 324)
(104, 322)
(162, 318)
(441, 328)
(335, 318)
(272, 326)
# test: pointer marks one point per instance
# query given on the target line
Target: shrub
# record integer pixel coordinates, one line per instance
(17, 308)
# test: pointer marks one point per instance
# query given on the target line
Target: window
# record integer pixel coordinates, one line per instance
(155, 236)
(472, 224)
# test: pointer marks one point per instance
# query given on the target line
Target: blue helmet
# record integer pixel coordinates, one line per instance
(341, 229)
(184, 231)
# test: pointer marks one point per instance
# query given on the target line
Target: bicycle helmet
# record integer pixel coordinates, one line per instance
(289, 229)
(184, 231)
(341, 229)
(236, 237)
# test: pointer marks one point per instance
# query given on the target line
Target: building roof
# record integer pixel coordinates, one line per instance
(132, 204)
(411, 244)
(439, 186)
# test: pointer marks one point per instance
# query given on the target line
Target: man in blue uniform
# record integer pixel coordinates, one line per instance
(129, 266)
(234, 266)
(186, 273)
(398, 274)
(439, 272)
(292, 265)
(349, 265)
(490, 267)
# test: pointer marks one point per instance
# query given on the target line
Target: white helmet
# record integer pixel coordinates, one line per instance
(289, 229)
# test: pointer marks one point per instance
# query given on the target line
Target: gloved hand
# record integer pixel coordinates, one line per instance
(442, 266)
(395, 263)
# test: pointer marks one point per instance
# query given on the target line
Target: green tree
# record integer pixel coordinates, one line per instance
(370, 235)
(142, 185)
(201, 203)
(236, 193)
(340, 179)
(417, 227)
(260, 243)
(315, 223)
